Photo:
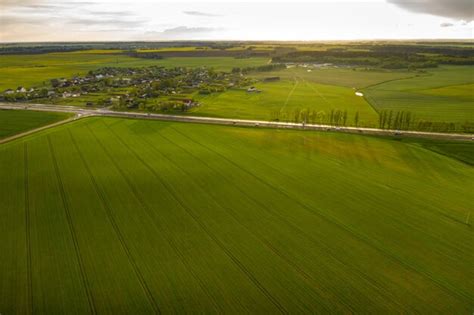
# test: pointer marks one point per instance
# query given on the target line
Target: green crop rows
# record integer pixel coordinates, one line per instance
(125, 216)
(16, 121)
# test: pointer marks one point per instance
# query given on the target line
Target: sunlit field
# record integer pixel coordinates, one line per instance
(126, 216)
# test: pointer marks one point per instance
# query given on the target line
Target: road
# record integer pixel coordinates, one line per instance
(81, 112)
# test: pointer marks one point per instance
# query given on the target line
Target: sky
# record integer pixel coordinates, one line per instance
(108, 20)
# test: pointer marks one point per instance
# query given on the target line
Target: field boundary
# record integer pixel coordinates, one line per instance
(35, 130)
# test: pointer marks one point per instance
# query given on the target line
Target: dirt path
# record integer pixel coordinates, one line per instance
(29, 132)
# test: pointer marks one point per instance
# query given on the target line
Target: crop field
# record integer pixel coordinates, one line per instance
(445, 94)
(37, 70)
(319, 90)
(348, 77)
(284, 97)
(109, 215)
(17, 121)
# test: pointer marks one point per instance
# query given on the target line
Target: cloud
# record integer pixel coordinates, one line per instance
(183, 30)
(446, 24)
(111, 13)
(104, 22)
(10, 21)
(198, 13)
(456, 9)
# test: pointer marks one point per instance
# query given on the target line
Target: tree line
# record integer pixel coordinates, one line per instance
(388, 119)
(335, 117)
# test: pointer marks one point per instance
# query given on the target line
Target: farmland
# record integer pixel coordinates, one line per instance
(17, 121)
(283, 100)
(126, 216)
(444, 94)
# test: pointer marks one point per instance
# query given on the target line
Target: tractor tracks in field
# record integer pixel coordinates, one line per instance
(290, 94)
(402, 222)
(335, 222)
(298, 230)
(146, 209)
(316, 91)
(29, 267)
(72, 230)
(117, 231)
(220, 245)
(308, 278)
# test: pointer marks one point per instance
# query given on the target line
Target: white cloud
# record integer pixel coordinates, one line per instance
(198, 13)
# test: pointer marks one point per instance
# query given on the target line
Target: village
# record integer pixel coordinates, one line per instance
(147, 88)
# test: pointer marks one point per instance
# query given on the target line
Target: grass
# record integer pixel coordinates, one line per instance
(445, 94)
(37, 70)
(460, 150)
(346, 77)
(320, 90)
(285, 97)
(16, 121)
(126, 216)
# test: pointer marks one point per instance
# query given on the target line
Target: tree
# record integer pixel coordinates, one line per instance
(356, 119)
(54, 83)
(43, 93)
(389, 120)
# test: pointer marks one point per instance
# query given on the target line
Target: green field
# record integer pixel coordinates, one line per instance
(285, 97)
(445, 94)
(36, 70)
(319, 90)
(347, 77)
(17, 121)
(125, 216)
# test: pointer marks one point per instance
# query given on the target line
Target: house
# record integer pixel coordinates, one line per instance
(21, 89)
(8, 92)
(253, 89)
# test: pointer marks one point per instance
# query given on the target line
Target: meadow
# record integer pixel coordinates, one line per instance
(445, 94)
(111, 215)
(318, 90)
(350, 77)
(37, 70)
(17, 121)
(281, 100)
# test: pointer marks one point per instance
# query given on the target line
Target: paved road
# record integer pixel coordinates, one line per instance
(80, 112)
